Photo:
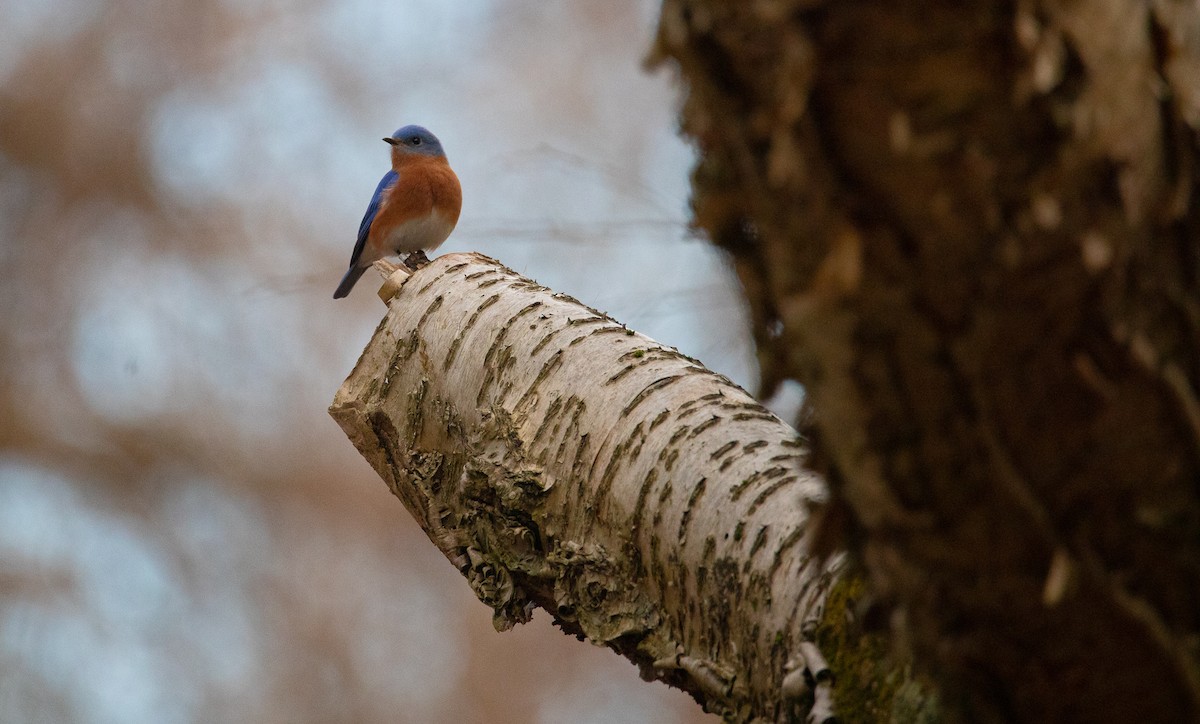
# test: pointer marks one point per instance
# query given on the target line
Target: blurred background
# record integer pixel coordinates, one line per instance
(185, 535)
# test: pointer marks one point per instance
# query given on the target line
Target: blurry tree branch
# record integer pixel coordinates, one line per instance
(561, 460)
(970, 230)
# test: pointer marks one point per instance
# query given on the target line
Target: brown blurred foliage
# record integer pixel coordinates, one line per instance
(184, 534)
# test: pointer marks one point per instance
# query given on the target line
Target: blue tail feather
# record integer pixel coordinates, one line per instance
(352, 275)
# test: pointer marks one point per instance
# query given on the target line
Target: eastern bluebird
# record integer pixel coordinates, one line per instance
(415, 206)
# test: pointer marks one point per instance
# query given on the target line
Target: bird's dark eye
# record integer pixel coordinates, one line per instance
(415, 140)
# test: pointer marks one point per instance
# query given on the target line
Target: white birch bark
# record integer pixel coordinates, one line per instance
(559, 459)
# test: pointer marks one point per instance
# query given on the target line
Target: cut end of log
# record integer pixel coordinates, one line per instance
(394, 275)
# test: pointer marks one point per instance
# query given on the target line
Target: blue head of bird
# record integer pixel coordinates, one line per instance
(415, 140)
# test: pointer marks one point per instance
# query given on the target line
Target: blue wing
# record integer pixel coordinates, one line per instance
(354, 272)
(388, 179)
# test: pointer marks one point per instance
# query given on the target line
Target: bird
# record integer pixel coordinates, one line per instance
(415, 206)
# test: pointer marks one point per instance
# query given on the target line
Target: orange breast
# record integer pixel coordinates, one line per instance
(420, 209)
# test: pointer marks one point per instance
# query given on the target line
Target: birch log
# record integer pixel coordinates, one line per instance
(561, 460)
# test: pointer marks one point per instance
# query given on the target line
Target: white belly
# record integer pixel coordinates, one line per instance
(426, 234)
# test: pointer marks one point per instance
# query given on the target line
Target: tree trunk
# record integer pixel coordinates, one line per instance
(971, 231)
(559, 459)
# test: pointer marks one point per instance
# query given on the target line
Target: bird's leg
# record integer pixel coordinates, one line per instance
(416, 260)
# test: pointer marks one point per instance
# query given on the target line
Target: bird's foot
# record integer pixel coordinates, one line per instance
(415, 260)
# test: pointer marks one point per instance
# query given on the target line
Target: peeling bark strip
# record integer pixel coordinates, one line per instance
(592, 473)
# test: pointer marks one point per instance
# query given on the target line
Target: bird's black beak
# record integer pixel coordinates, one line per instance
(390, 141)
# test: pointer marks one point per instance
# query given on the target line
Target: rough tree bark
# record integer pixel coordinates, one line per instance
(561, 460)
(971, 230)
